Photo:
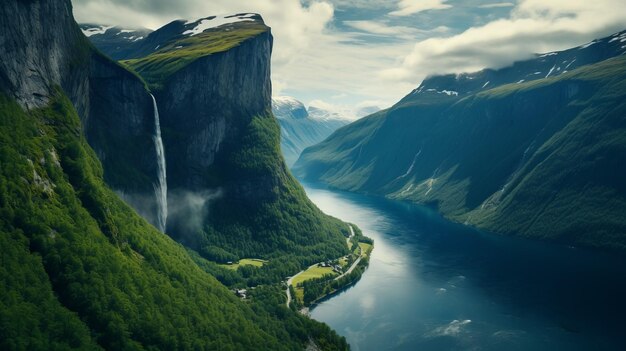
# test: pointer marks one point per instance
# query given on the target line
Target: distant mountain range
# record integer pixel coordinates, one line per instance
(537, 149)
(301, 128)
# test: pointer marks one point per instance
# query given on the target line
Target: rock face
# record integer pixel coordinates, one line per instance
(114, 106)
(230, 194)
(206, 106)
(538, 159)
(30, 69)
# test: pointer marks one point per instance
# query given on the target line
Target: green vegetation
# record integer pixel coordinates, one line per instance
(156, 68)
(318, 281)
(366, 249)
(81, 270)
(283, 227)
(245, 262)
(312, 273)
(541, 159)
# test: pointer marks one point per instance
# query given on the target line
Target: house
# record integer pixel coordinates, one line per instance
(241, 293)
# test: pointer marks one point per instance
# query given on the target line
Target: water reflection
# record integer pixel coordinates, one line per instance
(435, 285)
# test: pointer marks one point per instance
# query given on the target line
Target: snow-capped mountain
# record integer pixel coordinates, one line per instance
(114, 41)
(121, 44)
(302, 127)
(542, 66)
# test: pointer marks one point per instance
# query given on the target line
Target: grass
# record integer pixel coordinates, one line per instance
(366, 249)
(311, 273)
(245, 262)
(157, 67)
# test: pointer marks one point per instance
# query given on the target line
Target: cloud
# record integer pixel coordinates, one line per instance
(296, 23)
(496, 5)
(534, 26)
(380, 28)
(410, 7)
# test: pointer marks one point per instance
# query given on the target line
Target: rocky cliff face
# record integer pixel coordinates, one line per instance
(38, 56)
(206, 106)
(230, 194)
(119, 126)
(46, 51)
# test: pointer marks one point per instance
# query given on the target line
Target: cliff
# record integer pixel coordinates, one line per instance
(113, 104)
(230, 194)
(80, 269)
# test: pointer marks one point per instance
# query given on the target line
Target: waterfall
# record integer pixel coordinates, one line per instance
(160, 188)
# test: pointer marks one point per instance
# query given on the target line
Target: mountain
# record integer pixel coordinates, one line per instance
(229, 192)
(300, 128)
(116, 42)
(512, 151)
(80, 269)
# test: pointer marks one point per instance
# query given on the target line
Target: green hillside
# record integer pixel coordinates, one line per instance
(81, 270)
(541, 159)
(157, 67)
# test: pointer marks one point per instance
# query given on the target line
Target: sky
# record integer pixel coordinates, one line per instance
(348, 55)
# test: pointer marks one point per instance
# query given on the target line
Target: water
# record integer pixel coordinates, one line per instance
(160, 189)
(436, 285)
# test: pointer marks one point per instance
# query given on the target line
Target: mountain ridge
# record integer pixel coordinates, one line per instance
(482, 158)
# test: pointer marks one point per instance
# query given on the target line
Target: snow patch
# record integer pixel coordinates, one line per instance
(484, 85)
(520, 82)
(569, 64)
(588, 44)
(449, 92)
(549, 54)
(620, 37)
(216, 21)
(551, 70)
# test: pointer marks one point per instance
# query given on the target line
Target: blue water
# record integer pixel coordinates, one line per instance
(437, 285)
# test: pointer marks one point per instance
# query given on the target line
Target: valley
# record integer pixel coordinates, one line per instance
(219, 175)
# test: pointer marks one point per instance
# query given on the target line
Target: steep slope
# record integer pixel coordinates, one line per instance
(80, 269)
(113, 104)
(299, 129)
(230, 195)
(540, 159)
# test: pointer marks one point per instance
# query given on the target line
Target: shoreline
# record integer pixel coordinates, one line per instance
(352, 275)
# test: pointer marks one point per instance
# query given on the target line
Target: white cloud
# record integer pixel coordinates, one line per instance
(315, 59)
(296, 24)
(410, 7)
(496, 5)
(380, 28)
(310, 58)
(534, 26)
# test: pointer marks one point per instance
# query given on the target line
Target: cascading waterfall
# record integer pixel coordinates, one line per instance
(160, 188)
